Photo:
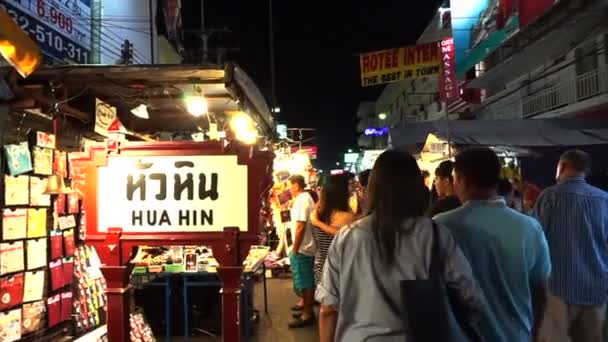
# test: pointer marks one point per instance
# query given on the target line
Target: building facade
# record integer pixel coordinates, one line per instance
(538, 59)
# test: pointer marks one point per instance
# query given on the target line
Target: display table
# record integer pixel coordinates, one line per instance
(189, 280)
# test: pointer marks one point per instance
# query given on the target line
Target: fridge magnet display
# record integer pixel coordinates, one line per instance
(11, 257)
(66, 222)
(56, 269)
(60, 201)
(43, 161)
(69, 242)
(10, 325)
(66, 306)
(14, 224)
(60, 164)
(16, 190)
(18, 158)
(45, 140)
(36, 253)
(37, 189)
(73, 204)
(34, 286)
(68, 271)
(34, 317)
(54, 310)
(11, 291)
(56, 244)
(36, 223)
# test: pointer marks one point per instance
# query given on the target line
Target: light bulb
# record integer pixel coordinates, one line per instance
(196, 105)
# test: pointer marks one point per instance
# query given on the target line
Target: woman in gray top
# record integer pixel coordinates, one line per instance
(360, 287)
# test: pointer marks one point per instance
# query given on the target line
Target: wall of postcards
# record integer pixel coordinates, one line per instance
(39, 253)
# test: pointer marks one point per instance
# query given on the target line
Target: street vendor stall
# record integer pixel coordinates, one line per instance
(105, 160)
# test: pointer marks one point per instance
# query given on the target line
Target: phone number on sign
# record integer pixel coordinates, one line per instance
(51, 41)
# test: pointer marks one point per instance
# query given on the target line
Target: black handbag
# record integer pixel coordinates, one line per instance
(431, 311)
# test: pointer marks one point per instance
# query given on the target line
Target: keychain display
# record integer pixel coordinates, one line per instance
(37, 196)
(60, 164)
(14, 224)
(60, 202)
(43, 161)
(36, 222)
(36, 253)
(69, 242)
(11, 257)
(34, 317)
(11, 291)
(54, 310)
(56, 244)
(56, 269)
(34, 286)
(16, 190)
(18, 158)
(73, 204)
(10, 325)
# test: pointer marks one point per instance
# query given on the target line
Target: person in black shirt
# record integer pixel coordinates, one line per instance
(444, 185)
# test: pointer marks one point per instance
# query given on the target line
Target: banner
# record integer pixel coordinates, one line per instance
(105, 115)
(394, 65)
(447, 81)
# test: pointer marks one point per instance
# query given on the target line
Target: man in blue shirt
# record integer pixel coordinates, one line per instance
(507, 250)
(575, 217)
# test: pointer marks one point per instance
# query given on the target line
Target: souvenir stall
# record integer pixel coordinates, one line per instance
(98, 200)
(287, 163)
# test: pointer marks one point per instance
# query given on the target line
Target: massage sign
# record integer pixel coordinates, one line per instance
(150, 194)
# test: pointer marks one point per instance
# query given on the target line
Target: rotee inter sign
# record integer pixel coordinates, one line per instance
(202, 193)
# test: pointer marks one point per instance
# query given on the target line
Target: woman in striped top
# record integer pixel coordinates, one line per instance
(332, 214)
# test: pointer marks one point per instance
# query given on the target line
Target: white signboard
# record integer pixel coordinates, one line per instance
(104, 116)
(172, 194)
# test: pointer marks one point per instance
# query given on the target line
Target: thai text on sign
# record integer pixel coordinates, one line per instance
(400, 64)
(172, 194)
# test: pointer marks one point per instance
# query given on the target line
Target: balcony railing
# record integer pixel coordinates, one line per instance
(566, 93)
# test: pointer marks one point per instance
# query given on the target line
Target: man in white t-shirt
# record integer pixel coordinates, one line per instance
(303, 251)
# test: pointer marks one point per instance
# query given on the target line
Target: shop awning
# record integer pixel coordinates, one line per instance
(518, 133)
(161, 88)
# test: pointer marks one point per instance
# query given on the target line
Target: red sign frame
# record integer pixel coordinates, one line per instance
(230, 247)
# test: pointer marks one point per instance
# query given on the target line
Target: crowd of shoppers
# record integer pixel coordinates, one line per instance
(536, 275)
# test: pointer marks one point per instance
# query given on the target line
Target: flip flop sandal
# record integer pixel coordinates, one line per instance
(300, 323)
(297, 308)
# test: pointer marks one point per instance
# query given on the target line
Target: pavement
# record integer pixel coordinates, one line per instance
(271, 327)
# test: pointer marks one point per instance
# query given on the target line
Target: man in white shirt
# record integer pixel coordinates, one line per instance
(303, 251)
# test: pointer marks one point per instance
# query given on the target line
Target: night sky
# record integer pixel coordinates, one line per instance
(316, 46)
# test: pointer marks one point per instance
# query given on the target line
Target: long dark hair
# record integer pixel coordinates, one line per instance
(396, 193)
(334, 197)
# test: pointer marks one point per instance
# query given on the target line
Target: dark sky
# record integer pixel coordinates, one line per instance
(316, 43)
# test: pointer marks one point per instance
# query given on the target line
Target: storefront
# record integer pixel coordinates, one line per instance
(123, 176)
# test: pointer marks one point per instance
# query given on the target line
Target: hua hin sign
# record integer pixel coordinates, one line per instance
(152, 194)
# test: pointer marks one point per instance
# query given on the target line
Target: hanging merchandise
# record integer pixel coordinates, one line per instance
(34, 317)
(60, 202)
(43, 161)
(36, 254)
(56, 244)
(66, 306)
(54, 310)
(10, 325)
(68, 272)
(34, 286)
(14, 224)
(38, 198)
(73, 204)
(140, 329)
(16, 190)
(66, 222)
(60, 164)
(11, 257)
(18, 158)
(56, 269)
(45, 140)
(36, 222)
(69, 242)
(11, 291)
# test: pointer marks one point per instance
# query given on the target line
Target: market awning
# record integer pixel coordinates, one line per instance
(160, 87)
(522, 133)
